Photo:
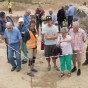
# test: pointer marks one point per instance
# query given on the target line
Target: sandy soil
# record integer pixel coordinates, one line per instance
(42, 79)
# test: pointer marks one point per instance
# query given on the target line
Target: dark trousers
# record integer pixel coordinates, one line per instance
(87, 54)
(38, 23)
(60, 25)
(10, 10)
(70, 19)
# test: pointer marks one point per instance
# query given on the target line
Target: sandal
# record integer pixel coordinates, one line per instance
(61, 75)
(69, 75)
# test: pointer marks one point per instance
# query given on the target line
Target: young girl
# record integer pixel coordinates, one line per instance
(64, 41)
(31, 37)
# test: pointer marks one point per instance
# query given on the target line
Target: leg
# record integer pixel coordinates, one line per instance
(62, 63)
(74, 61)
(10, 56)
(49, 66)
(54, 61)
(34, 56)
(87, 54)
(86, 61)
(59, 26)
(24, 49)
(37, 25)
(18, 55)
(68, 62)
(7, 54)
(79, 57)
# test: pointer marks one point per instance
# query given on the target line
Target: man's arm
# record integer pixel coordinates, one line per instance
(84, 36)
(47, 37)
(20, 44)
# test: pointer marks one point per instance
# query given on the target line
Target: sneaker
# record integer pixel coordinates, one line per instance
(49, 67)
(24, 62)
(56, 68)
(79, 72)
(18, 68)
(30, 74)
(85, 63)
(74, 69)
(34, 70)
(13, 68)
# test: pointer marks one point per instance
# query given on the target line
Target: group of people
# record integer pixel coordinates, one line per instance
(63, 42)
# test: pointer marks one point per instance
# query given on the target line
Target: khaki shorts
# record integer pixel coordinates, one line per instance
(32, 53)
(78, 56)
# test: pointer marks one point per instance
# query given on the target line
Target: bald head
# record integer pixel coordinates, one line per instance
(27, 12)
(9, 26)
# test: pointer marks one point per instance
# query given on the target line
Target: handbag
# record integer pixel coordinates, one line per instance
(42, 45)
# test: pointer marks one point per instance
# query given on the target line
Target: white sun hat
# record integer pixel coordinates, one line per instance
(21, 19)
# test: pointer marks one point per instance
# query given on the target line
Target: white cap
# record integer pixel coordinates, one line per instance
(21, 19)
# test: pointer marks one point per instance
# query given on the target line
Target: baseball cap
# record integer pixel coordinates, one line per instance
(48, 18)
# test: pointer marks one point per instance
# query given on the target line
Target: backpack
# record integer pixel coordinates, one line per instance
(3, 24)
(38, 14)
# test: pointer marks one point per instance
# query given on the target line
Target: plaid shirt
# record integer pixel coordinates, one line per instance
(78, 39)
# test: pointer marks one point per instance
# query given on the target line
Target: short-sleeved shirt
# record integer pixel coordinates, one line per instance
(14, 36)
(65, 46)
(51, 31)
(54, 18)
(78, 38)
(26, 19)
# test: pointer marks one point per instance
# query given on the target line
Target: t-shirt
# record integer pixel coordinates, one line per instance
(51, 31)
(65, 46)
(43, 25)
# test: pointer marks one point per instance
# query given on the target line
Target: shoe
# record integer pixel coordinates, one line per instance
(13, 68)
(30, 74)
(24, 62)
(49, 67)
(34, 70)
(56, 68)
(79, 72)
(61, 74)
(85, 63)
(74, 69)
(18, 68)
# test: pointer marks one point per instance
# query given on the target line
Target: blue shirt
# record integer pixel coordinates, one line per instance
(14, 36)
(54, 18)
(26, 19)
(71, 11)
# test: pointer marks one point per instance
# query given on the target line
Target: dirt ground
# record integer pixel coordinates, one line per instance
(42, 79)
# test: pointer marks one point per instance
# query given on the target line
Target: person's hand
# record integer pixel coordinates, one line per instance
(20, 48)
(58, 44)
(22, 32)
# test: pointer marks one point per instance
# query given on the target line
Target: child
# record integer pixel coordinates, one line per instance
(31, 37)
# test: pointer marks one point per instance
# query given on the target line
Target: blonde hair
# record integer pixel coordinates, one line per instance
(64, 30)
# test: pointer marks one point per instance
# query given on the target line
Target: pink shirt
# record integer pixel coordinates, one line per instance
(78, 39)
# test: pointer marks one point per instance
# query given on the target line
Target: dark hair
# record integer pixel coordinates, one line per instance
(32, 22)
(2, 14)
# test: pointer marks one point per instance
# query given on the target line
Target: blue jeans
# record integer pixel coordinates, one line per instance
(60, 25)
(11, 54)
